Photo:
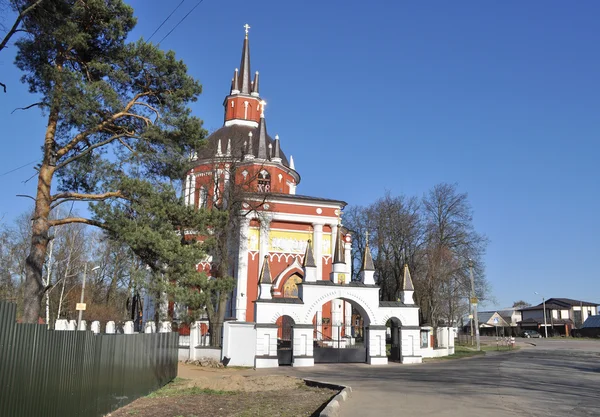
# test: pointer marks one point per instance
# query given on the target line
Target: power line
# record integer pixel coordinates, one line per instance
(178, 23)
(16, 169)
(165, 21)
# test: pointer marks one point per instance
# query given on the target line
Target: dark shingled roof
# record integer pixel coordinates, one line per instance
(407, 285)
(391, 304)
(265, 273)
(281, 300)
(238, 135)
(309, 257)
(367, 264)
(571, 302)
(340, 252)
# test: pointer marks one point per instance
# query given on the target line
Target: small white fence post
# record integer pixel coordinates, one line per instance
(194, 339)
(95, 327)
(110, 327)
(128, 327)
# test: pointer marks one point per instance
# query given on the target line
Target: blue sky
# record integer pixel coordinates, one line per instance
(502, 98)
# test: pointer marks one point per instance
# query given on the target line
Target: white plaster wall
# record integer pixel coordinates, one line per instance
(266, 341)
(239, 341)
(411, 342)
(303, 342)
(377, 343)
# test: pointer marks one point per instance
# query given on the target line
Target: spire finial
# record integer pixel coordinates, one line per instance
(246, 26)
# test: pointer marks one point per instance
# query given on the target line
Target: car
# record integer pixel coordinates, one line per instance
(531, 333)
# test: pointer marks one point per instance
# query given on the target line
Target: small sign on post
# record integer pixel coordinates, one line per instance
(474, 300)
(80, 307)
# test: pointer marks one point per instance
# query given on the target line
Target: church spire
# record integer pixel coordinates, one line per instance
(276, 150)
(244, 82)
(263, 140)
(255, 84)
(367, 263)
(340, 256)
(309, 257)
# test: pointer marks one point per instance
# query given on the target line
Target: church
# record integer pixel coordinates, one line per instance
(291, 259)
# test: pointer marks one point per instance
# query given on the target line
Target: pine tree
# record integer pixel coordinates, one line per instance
(118, 129)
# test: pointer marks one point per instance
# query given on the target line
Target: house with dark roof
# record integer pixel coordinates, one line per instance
(496, 322)
(562, 315)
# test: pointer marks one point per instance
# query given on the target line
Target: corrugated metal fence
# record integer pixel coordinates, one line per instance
(75, 373)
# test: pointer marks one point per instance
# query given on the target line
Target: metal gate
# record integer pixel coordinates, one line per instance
(285, 340)
(340, 349)
(396, 347)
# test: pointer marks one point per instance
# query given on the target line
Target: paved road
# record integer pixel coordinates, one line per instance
(554, 378)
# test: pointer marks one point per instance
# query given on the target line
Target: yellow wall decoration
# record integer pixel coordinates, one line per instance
(286, 241)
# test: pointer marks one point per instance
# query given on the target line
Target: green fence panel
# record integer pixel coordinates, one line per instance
(77, 373)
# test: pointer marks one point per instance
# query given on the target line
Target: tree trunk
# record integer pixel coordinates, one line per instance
(34, 287)
(216, 322)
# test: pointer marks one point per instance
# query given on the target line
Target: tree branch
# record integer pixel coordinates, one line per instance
(15, 26)
(26, 196)
(27, 107)
(99, 127)
(90, 148)
(80, 196)
(69, 220)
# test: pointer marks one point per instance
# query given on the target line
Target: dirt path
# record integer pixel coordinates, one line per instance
(235, 379)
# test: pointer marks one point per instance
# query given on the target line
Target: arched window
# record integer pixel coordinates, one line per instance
(202, 197)
(290, 288)
(264, 182)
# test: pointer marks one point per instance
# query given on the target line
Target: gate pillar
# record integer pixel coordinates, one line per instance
(411, 344)
(377, 354)
(266, 346)
(303, 345)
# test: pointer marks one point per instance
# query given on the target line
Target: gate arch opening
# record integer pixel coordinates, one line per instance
(340, 333)
(285, 340)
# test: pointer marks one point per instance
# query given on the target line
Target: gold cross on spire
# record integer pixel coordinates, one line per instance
(246, 26)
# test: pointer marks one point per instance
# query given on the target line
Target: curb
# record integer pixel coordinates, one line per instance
(332, 409)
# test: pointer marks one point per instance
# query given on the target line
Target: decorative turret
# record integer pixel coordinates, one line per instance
(248, 151)
(235, 82)
(309, 265)
(338, 274)
(219, 151)
(228, 152)
(264, 280)
(367, 269)
(263, 141)
(255, 85)
(406, 295)
(276, 152)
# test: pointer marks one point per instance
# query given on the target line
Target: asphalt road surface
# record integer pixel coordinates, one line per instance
(552, 378)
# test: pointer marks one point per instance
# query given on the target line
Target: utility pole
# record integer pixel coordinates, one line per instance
(545, 323)
(82, 293)
(474, 304)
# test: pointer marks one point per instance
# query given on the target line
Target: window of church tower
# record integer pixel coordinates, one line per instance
(264, 182)
(202, 197)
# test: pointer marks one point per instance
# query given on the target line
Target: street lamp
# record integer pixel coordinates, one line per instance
(545, 323)
(83, 291)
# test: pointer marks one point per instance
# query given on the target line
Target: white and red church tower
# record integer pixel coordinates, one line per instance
(288, 238)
